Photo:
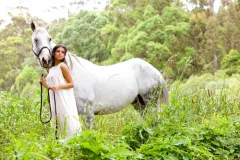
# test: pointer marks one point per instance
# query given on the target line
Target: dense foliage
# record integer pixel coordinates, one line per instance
(176, 41)
(200, 122)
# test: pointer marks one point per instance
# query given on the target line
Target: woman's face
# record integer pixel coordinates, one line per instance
(59, 54)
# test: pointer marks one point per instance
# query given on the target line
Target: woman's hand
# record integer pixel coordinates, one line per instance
(54, 88)
(43, 82)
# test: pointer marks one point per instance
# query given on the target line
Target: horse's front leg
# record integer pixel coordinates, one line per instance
(85, 108)
(90, 121)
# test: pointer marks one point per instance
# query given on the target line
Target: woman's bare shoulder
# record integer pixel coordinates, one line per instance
(63, 66)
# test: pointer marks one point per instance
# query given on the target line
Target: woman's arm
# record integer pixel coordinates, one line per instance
(43, 82)
(67, 76)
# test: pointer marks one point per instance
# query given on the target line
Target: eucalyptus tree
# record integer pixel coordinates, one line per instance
(229, 19)
(197, 38)
(157, 39)
(15, 46)
(82, 33)
(213, 34)
(214, 43)
(124, 14)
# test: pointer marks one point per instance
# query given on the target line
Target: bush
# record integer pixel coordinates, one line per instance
(231, 62)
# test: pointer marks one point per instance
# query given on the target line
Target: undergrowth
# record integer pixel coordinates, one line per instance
(198, 123)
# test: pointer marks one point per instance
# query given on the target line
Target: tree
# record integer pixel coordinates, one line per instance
(197, 39)
(15, 46)
(27, 78)
(231, 62)
(214, 43)
(82, 36)
(109, 35)
(156, 39)
(229, 19)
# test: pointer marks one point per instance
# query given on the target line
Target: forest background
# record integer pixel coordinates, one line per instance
(177, 41)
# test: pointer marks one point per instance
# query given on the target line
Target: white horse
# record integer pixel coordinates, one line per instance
(104, 89)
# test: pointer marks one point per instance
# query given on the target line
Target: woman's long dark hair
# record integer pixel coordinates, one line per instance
(54, 50)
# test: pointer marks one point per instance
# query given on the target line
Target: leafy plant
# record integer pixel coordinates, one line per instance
(136, 135)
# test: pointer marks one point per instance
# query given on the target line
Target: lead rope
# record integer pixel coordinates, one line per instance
(50, 111)
(56, 129)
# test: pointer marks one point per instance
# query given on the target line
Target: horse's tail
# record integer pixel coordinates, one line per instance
(164, 95)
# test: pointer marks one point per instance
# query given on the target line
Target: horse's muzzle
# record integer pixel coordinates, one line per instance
(46, 64)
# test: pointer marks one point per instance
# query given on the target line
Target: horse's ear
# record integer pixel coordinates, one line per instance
(33, 26)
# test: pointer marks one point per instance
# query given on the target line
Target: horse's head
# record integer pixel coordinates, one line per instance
(42, 45)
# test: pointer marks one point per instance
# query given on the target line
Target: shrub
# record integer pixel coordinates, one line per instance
(231, 62)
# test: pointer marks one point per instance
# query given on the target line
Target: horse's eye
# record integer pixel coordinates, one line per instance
(35, 40)
(50, 39)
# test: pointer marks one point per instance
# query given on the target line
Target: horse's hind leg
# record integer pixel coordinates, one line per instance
(146, 100)
(139, 105)
(148, 103)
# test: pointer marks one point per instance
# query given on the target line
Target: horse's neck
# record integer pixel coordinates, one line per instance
(74, 59)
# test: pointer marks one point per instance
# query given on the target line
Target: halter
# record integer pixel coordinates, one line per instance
(37, 54)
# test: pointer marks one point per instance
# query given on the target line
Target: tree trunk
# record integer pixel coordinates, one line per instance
(215, 62)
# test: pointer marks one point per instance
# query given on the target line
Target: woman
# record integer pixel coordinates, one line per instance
(59, 81)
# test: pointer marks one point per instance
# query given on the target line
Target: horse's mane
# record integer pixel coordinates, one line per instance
(82, 62)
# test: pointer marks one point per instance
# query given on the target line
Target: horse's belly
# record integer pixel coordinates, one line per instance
(115, 98)
(114, 103)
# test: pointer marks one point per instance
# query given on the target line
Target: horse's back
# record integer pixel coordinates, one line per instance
(147, 76)
(135, 71)
(142, 73)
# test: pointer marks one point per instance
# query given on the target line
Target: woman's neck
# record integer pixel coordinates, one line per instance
(56, 62)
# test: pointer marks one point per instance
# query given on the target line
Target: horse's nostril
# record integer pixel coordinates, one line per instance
(43, 60)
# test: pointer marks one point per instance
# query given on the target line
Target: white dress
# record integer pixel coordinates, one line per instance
(67, 114)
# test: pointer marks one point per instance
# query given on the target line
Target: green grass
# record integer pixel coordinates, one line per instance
(201, 122)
